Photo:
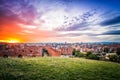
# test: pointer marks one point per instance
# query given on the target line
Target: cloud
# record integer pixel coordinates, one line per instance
(80, 26)
(76, 34)
(80, 22)
(27, 26)
(33, 19)
(13, 13)
(112, 21)
(114, 32)
(20, 11)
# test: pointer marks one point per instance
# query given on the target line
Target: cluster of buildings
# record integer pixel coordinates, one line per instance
(31, 50)
(54, 49)
(19, 50)
(85, 47)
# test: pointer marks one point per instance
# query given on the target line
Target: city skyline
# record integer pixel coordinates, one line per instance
(59, 21)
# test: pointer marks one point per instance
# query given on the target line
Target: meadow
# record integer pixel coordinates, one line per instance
(50, 68)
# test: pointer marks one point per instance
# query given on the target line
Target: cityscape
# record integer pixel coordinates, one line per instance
(59, 39)
(57, 49)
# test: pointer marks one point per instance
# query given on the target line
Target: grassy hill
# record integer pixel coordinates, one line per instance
(57, 69)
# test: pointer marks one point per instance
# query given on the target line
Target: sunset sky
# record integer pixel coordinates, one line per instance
(60, 20)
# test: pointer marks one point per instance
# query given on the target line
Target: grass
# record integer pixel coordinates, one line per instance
(49, 68)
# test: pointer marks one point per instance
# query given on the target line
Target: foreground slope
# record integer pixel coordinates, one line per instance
(49, 68)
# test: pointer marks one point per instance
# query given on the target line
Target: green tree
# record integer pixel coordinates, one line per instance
(88, 53)
(73, 53)
(77, 53)
(93, 56)
(106, 50)
(118, 51)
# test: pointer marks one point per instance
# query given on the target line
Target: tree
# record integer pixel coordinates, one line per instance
(106, 50)
(77, 53)
(73, 53)
(93, 56)
(118, 51)
(88, 53)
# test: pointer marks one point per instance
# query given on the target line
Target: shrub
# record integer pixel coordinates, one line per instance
(81, 54)
(88, 53)
(78, 54)
(113, 58)
(106, 50)
(93, 56)
(118, 51)
(102, 58)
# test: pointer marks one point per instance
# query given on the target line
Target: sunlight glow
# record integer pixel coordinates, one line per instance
(11, 41)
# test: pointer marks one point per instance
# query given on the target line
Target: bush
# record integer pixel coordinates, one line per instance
(81, 54)
(113, 58)
(93, 56)
(88, 53)
(118, 51)
(78, 54)
(102, 58)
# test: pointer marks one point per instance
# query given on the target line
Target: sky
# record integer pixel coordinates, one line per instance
(60, 20)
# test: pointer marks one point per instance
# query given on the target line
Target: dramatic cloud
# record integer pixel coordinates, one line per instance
(79, 22)
(113, 21)
(60, 20)
(117, 32)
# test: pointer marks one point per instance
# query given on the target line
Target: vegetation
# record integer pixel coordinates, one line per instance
(93, 56)
(77, 53)
(118, 59)
(88, 53)
(118, 51)
(49, 68)
(114, 58)
(45, 52)
(106, 50)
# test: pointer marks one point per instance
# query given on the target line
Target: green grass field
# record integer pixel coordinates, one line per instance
(49, 68)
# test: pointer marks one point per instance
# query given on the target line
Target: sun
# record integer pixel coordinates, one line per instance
(11, 40)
